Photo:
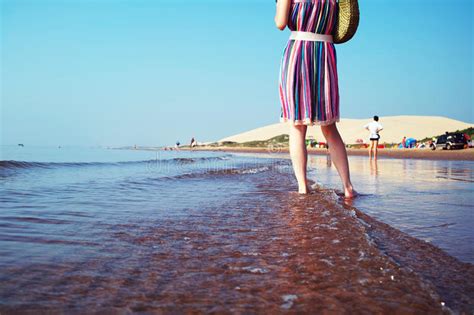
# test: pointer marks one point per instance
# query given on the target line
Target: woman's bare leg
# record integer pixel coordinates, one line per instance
(339, 157)
(371, 145)
(299, 156)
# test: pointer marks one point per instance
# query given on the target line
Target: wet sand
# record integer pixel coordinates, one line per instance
(458, 155)
(262, 250)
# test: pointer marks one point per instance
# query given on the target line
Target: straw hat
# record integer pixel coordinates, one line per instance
(347, 21)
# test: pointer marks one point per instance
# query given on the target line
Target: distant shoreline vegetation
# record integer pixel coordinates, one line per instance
(283, 141)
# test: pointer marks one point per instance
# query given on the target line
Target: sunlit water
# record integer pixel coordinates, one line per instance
(120, 231)
(430, 200)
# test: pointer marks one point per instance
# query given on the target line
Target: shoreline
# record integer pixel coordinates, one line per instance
(394, 243)
(422, 154)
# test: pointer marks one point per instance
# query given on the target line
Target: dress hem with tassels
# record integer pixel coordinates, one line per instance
(309, 122)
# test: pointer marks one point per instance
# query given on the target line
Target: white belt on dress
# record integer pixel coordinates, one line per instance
(310, 36)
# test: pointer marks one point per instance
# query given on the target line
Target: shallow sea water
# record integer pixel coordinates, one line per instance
(430, 200)
(136, 231)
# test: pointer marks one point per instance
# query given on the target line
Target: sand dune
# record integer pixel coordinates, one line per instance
(395, 128)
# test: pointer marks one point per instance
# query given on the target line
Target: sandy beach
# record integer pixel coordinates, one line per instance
(352, 130)
(424, 154)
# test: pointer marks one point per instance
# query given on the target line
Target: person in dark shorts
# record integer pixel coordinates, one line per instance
(374, 127)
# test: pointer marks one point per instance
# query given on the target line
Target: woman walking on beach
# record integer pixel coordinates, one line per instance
(308, 83)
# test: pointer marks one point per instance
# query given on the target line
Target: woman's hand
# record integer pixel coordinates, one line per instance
(282, 12)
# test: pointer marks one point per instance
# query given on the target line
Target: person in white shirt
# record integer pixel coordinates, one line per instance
(374, 127)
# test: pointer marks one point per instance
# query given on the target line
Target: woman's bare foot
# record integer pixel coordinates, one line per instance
(304, 189)
(350, 193)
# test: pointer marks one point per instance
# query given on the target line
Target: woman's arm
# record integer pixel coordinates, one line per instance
(282, 11)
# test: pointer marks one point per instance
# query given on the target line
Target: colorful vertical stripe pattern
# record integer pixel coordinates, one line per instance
(308, 83)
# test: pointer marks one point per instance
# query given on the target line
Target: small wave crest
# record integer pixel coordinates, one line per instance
(220, 172)
(13, 164)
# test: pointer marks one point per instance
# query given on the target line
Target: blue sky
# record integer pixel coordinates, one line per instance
(150, 72)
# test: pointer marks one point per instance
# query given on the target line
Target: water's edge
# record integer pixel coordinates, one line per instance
(451, 278)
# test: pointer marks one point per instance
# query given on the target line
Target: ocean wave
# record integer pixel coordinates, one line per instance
(245, 169)
(218, 172)
(13, 164)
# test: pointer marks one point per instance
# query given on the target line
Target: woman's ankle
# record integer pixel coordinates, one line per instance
(303, 187)
(349, 191)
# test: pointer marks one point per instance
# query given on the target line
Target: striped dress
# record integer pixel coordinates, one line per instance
(308, 83)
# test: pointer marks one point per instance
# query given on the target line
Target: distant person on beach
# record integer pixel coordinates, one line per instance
(302, 74)
(404, 142)
(374, 128)
(193, 142)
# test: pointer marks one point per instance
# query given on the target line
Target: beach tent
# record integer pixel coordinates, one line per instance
(411, 142)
